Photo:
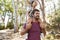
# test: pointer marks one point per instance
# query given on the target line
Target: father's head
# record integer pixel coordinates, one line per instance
(36, 13)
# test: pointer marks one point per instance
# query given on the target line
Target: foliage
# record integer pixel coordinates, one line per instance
(54, 20)
(20, 25)
(10, 25)
(49, 37)
(7, 6)
(21, 11)
(2, 26)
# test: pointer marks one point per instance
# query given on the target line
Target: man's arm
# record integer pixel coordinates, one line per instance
(27, 27)
(23, 31)
(44, 31)
(43, 28)
(42, 25)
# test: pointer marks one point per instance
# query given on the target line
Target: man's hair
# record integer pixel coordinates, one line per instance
(34, 11)
(31, 12)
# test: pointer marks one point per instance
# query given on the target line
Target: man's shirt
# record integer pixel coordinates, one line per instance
(34, 32)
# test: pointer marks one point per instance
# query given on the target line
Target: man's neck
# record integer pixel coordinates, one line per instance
(34, 20)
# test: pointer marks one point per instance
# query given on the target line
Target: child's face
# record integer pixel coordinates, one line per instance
(34, 3)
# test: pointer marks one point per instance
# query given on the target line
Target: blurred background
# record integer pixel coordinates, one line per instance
(13, 14)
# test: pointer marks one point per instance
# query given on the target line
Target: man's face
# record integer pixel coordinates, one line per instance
(36, 15)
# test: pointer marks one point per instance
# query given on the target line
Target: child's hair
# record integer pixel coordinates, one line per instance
(32, 3)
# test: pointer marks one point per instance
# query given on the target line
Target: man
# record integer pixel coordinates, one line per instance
(34, 26)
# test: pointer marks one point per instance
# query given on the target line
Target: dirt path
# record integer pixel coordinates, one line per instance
(9, 35)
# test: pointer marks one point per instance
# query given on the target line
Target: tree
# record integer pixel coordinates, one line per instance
(15, 15)
(43, 10)
(55, 21)
(18, 11)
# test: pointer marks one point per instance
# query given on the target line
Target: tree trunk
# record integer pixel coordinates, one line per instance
(15, 15)
(43, 11)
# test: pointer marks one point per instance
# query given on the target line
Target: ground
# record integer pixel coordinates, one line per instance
(8, 34)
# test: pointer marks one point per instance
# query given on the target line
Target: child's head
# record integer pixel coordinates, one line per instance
(34, 3)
